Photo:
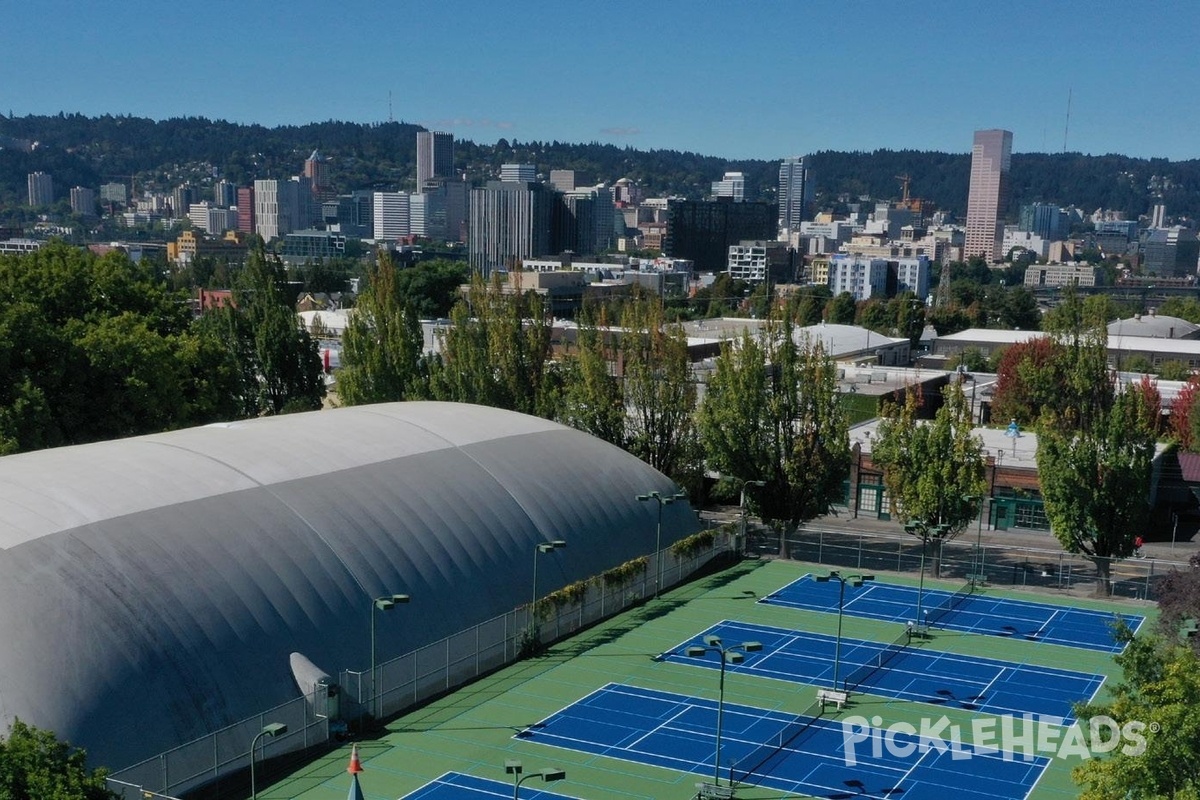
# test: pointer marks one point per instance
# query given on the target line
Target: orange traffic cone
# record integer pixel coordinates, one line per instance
(355, 765)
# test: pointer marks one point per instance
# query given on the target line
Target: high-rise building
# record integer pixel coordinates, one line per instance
(435, 156)
(563, 179)
(795, 193)
(509, 222)
(224, 194)
(732, 186)
(1158, 217)
(83, 201)
(245, 208)
(703, 231)
(1170, 252)
(41, 189)
(1045, 220)
(276, 208)
(114, 193)
(182, 198)
(391, 215)
(860, 276)
(583, 221)
(991, 156)
(316, 169)
(518, 173)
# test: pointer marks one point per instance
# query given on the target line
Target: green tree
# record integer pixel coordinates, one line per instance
(383, 347)
(432, 287)
(934, 471)
(1095, 446)
(659, 393)
(496, 351)
(1158, 695)
(841, 310)
(592, 398)
(771, 412)
(281, 368)
(35, 765)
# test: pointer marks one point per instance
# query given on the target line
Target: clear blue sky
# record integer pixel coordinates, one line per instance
(733, 79)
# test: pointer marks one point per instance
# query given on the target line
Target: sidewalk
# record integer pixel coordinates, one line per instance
(843, 521)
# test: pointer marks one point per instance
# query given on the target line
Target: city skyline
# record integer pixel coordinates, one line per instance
(735, 84)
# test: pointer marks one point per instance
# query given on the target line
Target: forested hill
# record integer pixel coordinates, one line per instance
(79, 150)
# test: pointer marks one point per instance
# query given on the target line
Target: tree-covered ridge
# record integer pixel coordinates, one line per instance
(82, 150)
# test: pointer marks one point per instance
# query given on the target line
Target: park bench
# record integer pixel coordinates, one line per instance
(832, 696)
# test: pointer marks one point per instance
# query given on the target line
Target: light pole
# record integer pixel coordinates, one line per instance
(515, 769)
(385, 603)
(271, 729)
(733, 655)
(742, 506)
(978, 570)
(662, 501)
(855, 581)
(542, 547)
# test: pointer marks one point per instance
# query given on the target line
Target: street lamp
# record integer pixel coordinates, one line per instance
(542, 547)
(385, 603)
(271, 729)
(855, 581)
(733, 655)
(925, 532)
(662, 501)
(742, 505)
(515, 769)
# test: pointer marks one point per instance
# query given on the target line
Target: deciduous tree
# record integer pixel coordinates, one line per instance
(35, 765)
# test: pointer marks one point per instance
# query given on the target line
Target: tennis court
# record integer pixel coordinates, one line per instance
(982, 685)
(800, 754)
(966, 611)
(457, 786)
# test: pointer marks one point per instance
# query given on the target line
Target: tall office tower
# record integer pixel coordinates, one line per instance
(435, 156)
(83, 201)
(316, 169)
(224, 194)
(509, 222)
(1158, 218)
(276, 208)
(733, 186)
(1046, 220)
(795, 193)
(991, 157)
(245, 207)
(41, 189)
(563, 179)
(518, 173)
(391, 215)
(182, 198)
(583, 221)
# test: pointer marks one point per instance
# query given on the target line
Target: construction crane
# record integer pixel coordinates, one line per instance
(904, 181)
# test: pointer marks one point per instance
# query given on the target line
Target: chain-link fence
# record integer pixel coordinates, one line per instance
(403, 683)
(997, 564)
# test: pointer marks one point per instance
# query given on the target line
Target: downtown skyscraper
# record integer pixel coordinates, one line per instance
(991, 157)
(435, 156)
(795, 192)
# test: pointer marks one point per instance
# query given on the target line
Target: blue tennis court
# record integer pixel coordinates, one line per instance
(807, 756)
(983, 685)
(457, 786)
(972, 613)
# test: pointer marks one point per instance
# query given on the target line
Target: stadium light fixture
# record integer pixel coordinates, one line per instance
(855, 581)
(385, 603)
(733, 654)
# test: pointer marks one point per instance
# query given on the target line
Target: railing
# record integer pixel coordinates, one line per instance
(404, 683)
(959, 559)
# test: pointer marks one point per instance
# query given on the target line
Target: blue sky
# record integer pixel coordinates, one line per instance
(731, 79)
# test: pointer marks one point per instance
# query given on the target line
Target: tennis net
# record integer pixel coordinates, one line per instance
(940, 612)
(877, 660)
(758, 760)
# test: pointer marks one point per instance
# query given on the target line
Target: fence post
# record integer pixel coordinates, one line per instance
(1149, 575)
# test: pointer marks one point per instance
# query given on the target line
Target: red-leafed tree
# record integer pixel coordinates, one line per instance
(1029, 377)
(1147, 387)
(1182, 411)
